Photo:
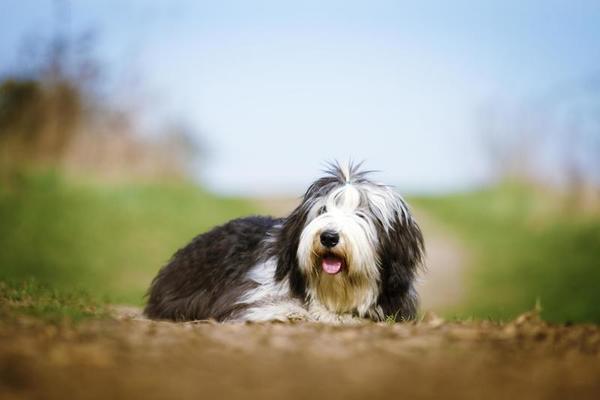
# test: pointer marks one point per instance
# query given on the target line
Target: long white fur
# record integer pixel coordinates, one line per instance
(270, 300)
(351, 210)
(358, 291)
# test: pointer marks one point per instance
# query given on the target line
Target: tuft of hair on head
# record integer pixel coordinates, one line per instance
(347, 172)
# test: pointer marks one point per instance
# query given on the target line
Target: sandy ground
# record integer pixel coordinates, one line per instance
(128, 358)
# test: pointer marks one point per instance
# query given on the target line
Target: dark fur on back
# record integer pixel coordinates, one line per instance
(205, 278)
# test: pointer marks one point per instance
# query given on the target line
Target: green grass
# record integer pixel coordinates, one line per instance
(526, 247)
(40, 301)
(105, 240)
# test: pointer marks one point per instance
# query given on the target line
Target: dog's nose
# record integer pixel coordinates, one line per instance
(329, 238)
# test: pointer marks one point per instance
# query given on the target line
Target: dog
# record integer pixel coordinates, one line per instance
(350, 251)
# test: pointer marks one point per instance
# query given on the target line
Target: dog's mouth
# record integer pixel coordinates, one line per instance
(332, 264)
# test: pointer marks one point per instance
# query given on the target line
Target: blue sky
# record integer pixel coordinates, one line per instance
(275, 88)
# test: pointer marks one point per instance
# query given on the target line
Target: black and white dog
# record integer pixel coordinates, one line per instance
(350, 250)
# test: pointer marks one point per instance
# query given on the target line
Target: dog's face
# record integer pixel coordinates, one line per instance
(348, 229)
(340, 235)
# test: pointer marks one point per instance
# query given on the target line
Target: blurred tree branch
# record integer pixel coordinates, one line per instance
(53, 115)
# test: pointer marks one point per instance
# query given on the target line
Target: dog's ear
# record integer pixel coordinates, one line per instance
(401, 253)
(286, 250)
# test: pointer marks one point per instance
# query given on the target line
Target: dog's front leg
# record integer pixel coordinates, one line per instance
(320, 313)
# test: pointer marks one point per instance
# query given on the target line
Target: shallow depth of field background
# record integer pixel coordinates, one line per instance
(126, 128)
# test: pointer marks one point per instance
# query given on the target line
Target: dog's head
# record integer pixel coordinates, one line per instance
(351, 245)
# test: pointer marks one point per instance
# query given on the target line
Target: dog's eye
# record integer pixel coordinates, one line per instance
(362, 216)
(322, 210)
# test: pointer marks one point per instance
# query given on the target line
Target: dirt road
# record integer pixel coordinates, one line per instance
(129, 358)
(441, 285)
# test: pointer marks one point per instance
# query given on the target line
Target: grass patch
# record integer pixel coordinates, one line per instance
(105, 240)
(526, 247)
(34, 299)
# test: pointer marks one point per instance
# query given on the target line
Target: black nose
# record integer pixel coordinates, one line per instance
(329, 238)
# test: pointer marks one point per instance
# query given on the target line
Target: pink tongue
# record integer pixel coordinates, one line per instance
(331, 265)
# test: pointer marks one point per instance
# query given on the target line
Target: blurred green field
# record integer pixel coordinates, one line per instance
(527, 247)
(86, 243)
(105, 240)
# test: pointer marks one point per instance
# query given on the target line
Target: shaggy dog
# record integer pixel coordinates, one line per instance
(350, 250)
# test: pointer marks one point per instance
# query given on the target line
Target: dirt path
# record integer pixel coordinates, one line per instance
(129, 358)
(442, 285)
